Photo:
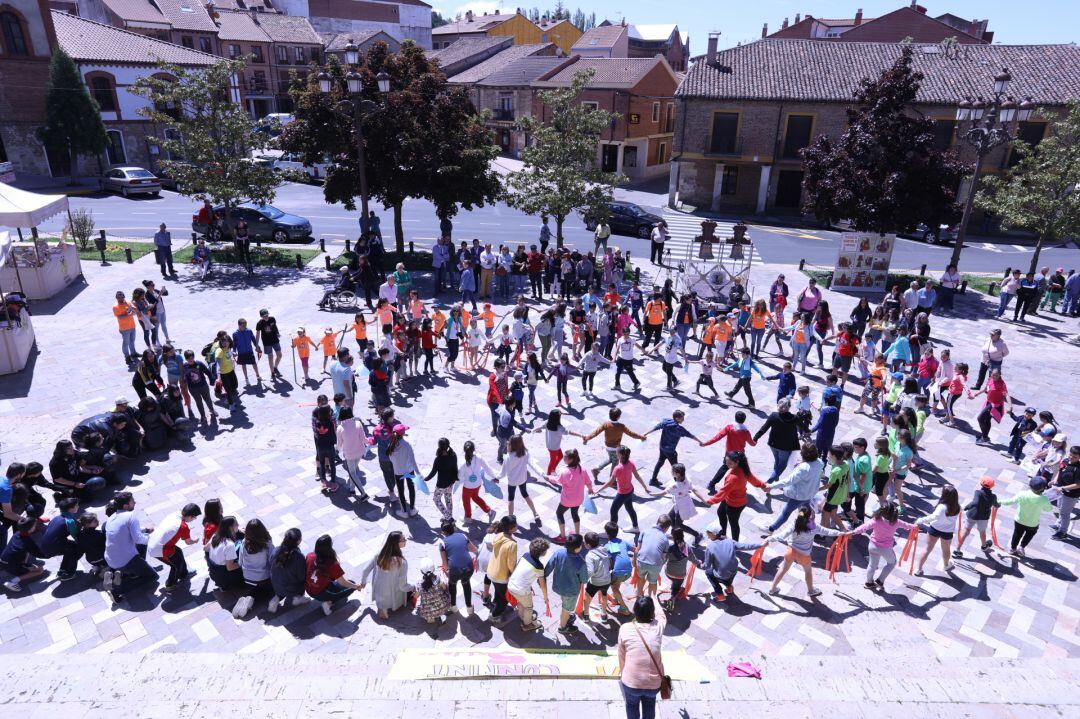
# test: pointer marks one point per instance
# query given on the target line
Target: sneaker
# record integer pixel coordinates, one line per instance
(13, 585)
(772, 592)
(1060, 536)
(107, 579)
(413, 512)
(272, 606)
(870, 585)
(950, 567)
(1004, 453)
(116, 597)
(919, 572)
(958, 554)
(327, 608)
(243, 604)
(65, 576)
(879, 584)
(987, 545)
(815, 592)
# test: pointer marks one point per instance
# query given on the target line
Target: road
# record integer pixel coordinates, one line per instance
(133, 217)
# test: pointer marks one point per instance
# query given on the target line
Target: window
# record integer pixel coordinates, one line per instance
(661, 153)
(188, 42)
(590, 105)
(1029, 132)
(114, 147)
(258, 81)
(943, 133)
(725, 129)
(797, 135)
(731, 180)
(173, 135)
(298, 53)
(14, 34)
(234, 51)
(656, 112)
(282, 55)
(205, 44)
(669, 121)
(629, 157)
(256, 53)
(315, 55)
(102, 90)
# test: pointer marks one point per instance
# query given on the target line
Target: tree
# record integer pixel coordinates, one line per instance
(437, 20)
(884, 173)
(579, 19)
(423, 139)
(559, 173)
(72, 118)
(1041, 192)
(81, 226)
(212, 136)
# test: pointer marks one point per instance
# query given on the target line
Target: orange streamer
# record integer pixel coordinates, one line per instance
(755, 563)
(689, 581)
(993, 528)
(911, 547)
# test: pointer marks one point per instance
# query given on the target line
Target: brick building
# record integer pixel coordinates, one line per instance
(648, 41)
(515, 25)
(911, 21)
(27, 42)
(745, 112)
(507, 93)
(638, 143)
(400, 19)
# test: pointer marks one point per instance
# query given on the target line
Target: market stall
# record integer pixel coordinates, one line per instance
(16, 329)
(36, 269)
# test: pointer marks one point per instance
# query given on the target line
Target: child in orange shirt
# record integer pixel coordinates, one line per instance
(329, 346)
(384, 313)
(438, 321)
(359, 326)
(416, 305)
(611, 297)
(303, 346)
(489, 320)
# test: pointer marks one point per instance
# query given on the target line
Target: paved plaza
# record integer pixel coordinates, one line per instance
(999, 637)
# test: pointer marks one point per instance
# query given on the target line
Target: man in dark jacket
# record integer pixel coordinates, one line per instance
(60, 538)
(783, 437)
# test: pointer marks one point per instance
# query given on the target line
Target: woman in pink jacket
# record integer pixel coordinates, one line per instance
(882, 530)
(573, 483)
(352, 445)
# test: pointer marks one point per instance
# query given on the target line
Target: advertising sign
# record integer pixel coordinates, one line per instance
(863, 262)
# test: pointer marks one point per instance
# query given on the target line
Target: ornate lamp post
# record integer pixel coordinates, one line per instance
(993, 123)
(359, 109)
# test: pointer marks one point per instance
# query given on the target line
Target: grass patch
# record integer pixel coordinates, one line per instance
(114, 250)
(976, 283)
(411, 260)
(260, 256)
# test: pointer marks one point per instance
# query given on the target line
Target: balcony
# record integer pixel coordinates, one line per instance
(503, 114)
(725, 146)
(257, 87)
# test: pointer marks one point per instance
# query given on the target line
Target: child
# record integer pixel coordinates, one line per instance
(553, 435)
(403, 460)
(803, 414)
(427, 345)
(517, 393)
(328, 343)
(956, 388)
(799, 538)
(483, 558)
(721, 564)
(529, 570)
(572, 485)
(902, 454)
(705, 378)
(622, 471)
(836, 487)
(1018, 435)
(590, 364)
(434, 597)
(92, 542)
(303, 346)
(678, 557)
(899, 353)
(882, 530)
(598, 563)
(786, 387)
(359, 327)
(474, 341)
(940, 525)
(1030, 504)
(862, 479)
(745, 366)
(875, 384)
(471, 474)
(622, 565)
(17, 558)
(489, 320)
(826, 426)
(977, 514)
(504, 345)
(325, 432)
(946, 370)
(832, 389)
(682, 504)
(561, 373)
(890, 401)
(534, 374)
(736, 436)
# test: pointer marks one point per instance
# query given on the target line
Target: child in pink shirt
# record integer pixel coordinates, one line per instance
(572, 483)
(882, 530)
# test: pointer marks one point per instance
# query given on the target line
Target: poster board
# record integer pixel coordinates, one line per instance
(862, 263)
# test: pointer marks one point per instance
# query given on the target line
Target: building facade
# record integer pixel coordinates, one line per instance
(27, 42)
(472, 25)
(507, 95)
(911, 21)
(401, 19)
(603, 41)
(561, 32)
(740, 131)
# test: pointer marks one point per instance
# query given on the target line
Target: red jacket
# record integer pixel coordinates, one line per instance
(494, 396)
(733, 491)
(737, 439)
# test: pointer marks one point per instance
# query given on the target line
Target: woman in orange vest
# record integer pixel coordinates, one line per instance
(759, 317)
(654, 321)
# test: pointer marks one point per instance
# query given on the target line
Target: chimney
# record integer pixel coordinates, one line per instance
(468, 16)
(858, 17)
(798, 17)
(254, 15)
(710, 56)
(784, 26)
(765, 30)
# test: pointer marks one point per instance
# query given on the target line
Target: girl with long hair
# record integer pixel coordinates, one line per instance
(940, 525)
(882, 530)
(254, 555)
(288, 571)
(388, 572)
(326, 582)
(731, 496)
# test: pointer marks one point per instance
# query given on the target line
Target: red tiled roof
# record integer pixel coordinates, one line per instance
(501, 60)
(86, 40)
(187, 15)
(136, 11)
(606, 36)
(238, 25)
(293, 29)
(609, 72)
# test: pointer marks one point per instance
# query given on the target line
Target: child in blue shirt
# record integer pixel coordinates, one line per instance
(745, 365)
(786, 388)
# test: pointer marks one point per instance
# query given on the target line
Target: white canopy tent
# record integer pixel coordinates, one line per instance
(19, 208)
(49, 271)
(16, 333)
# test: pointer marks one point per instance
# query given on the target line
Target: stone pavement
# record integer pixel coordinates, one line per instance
(973, 642)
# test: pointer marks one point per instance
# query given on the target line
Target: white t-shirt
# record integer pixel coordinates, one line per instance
(626, 348)
(658, 235)
(162, 534)
(553, 437)
(524, 576)
(472, 473)
(223, 552)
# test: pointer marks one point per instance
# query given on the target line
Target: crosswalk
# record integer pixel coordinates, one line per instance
(684, 228)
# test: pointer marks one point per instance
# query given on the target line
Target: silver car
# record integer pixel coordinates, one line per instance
(132, 181)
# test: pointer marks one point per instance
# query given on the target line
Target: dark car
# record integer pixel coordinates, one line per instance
(942, 235)
(626, 218)
(265, 221)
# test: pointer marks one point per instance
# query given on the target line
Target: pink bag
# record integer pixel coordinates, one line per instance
(743, 669)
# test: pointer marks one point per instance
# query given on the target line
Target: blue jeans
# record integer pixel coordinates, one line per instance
(469, 296)
(1003, 303)
(640, 703)
(756, 336)
(503, 284)
(136, 573)
(1070, 304)
(799, 355)
(127, 342)
(780, 462)
(682, 330)
(790, 507)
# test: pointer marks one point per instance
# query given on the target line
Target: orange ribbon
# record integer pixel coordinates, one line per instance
(993, 528)
(837, 555)
(689, 581)
(911, 547)
(755, 563)
(580, 601)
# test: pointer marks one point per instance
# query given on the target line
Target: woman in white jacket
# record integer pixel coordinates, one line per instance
(404, 463)
(940, 525)
(352, 444)
(516, 469)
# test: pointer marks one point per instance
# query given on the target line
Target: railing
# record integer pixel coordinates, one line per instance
(503, 115)
(257, 88)
(725, 146)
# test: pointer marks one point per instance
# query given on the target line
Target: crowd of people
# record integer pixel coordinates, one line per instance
(597, 315)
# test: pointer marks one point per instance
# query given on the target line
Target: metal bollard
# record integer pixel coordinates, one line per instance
(963, 287)
(1008, 271)
(299, 262)
(322, 244)
(993, 288)
(127, 255)
(411, 249)
(327, 258)
(802, 264)
(194, 237)
(348, 244)
(922, 271)
(637, 274)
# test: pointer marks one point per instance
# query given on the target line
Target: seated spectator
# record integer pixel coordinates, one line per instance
(254, 556)
(125, 549)
(222, 557)
(60, 538)
(288, 572)
(72, 475)
(32, 479)
(17, 559)
(112, 428)
(326, 582)
(91, 541)
(171, 405)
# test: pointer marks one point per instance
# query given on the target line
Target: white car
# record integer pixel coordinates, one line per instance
(132, 181)
(290, 162)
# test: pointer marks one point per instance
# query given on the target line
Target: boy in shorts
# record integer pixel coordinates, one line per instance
(622, 564)
(598, 563)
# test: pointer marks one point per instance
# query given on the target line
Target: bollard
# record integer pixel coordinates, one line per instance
(194, 238)
(828, 281)
(322, 244)
(348, 244)
(258, 242)
(300, 262)
(922, 271)
(1008, 271)
(993, 288)
(327, 258)
(127, 255)
(802, 264)
(963, 287)
(100, 244)
(411, 250)
(34, 233)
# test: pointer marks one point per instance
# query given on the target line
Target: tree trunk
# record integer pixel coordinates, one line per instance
(226, 223)
(71, 167)
(399, 231)
(559, 219)
(1034, 266)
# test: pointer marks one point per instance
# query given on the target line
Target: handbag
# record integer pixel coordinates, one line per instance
(665, 681)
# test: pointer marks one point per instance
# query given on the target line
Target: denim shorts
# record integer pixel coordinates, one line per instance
(650, 572)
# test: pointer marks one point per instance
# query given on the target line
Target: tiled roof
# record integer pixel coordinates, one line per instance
(466, 47)
(336, 41)
(86, 40)
(605, 36)
(187, 15)
(246, 5)
(812, 70)
(521, 71)
(653, 33)
(500, 60)
(293, 29)
(136, 11)
(238, 25)
(479, 23)
(610, 71)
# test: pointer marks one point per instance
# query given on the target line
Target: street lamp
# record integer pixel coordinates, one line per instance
(359, 109)
(994, 122)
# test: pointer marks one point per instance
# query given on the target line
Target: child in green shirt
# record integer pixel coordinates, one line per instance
(860, 479)
(880, 467)
(836, 487)
(1030, 504)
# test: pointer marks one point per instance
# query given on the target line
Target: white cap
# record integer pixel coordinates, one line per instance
(715, 528)
(427, 565)
(121, 400)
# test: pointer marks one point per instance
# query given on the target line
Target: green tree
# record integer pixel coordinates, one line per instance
(437, 20)
(423, 139)
(559, 173)
(1041, 193)
(213, 135)
(72, 118)
(884, 173)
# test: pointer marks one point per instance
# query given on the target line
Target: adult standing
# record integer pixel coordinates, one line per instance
(783, 437)
(996, 393)
(242, 242)
(950, 283)
(156, 298)
(808, 299)
(1067, 481)
(1027, 295)
(467, 284)
(271, 340)
(1009, 287)
(1055, 287)
(910, 298)
(600, 236)
(388, 290)
(488, 261)
(534, 262)
(1042, 287)
(1071, 304)
(446, 227)
(994, 353)
(926, 298)
(641, 666)
(440, 262)
(163, 251)
(777, 289)
(799, 485)
(613, 431)
(657, 238)
(125, 320)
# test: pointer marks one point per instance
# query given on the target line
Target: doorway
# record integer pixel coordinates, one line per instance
(609, 158)
(789, 188)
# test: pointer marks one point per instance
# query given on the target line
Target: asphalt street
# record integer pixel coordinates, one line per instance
(139, 217)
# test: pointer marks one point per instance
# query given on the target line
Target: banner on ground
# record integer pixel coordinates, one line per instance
(862, 263)
(513, 663)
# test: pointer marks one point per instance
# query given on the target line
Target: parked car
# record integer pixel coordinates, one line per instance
(265, 221)
(132, 181)
(292, 163)
(943, 235)
(272, 124)
(626, 218)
